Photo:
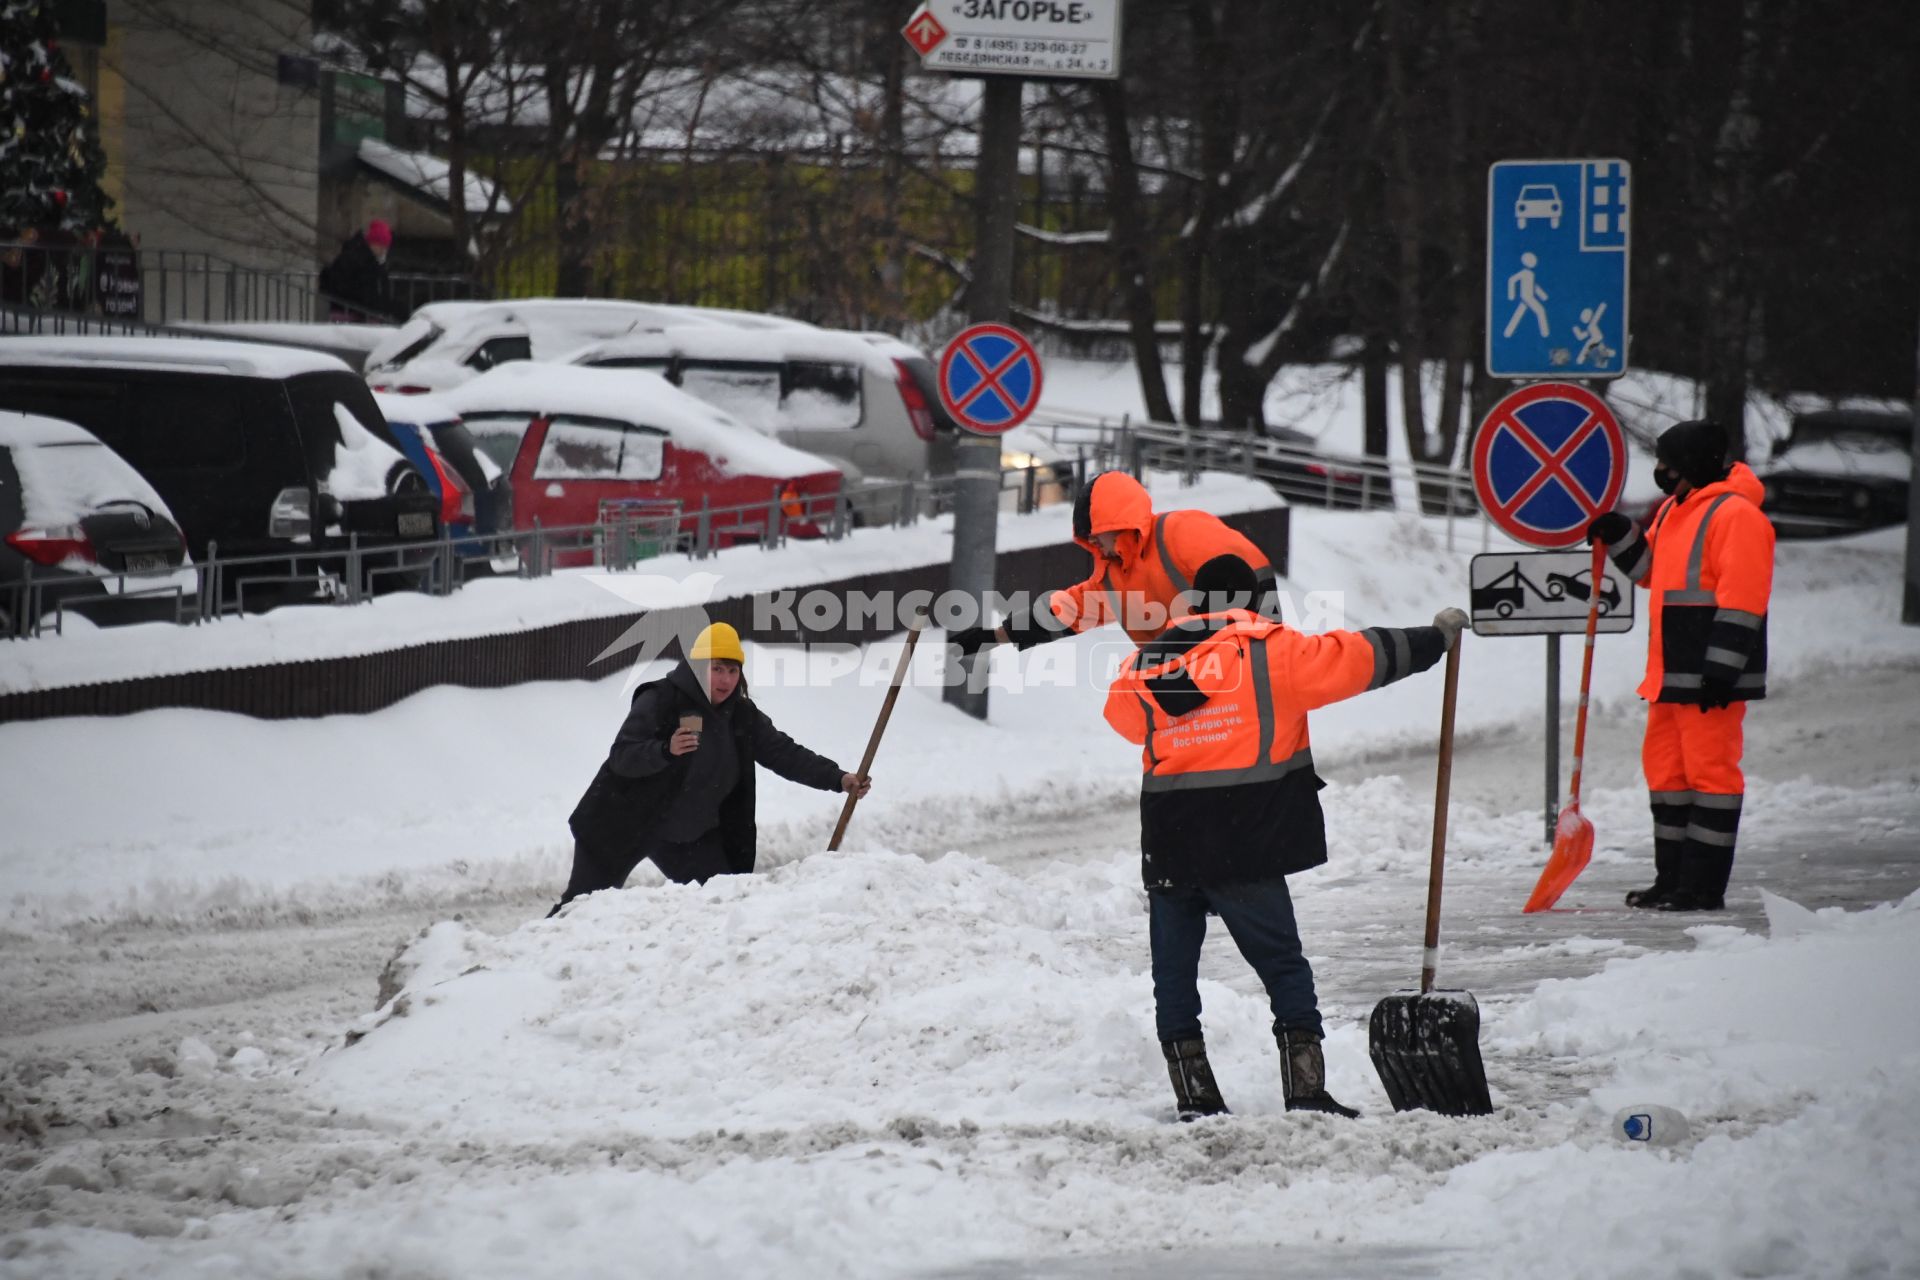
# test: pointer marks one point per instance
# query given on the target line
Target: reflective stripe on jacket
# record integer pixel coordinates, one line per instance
(1707, 562)
(1219, 705)
(1158, 557)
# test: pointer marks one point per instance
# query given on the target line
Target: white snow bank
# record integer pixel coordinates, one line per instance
(830, 991)
(986, 1040)
(497, 605)
(1743, 1022)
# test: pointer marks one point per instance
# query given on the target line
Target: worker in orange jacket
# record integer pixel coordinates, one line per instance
(1230, 806)
(1706, 558)
(1142, 563)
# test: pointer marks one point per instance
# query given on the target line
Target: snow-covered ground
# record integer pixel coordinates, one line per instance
(932, 1054)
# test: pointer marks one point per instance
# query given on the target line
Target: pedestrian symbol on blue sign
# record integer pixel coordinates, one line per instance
(1557, 235)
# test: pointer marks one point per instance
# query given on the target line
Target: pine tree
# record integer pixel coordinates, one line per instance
(50, 156)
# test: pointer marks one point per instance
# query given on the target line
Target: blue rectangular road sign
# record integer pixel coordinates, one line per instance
(1557, 235)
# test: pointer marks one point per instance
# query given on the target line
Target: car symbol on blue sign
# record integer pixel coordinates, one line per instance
(1557, 250)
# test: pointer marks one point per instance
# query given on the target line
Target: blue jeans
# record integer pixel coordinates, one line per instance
(1259, 915)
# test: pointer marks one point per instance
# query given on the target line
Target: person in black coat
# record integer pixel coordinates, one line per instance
(678, 785)
(357, 276)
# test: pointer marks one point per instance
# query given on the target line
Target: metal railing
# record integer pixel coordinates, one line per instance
(121, 285)
(1304, 476)
(357, 570)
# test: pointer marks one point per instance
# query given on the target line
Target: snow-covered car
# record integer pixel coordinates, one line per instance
(573, 440)
(1840, 471)
(854, 398)
(444, 344)
(257, 449)
(81, 530)
(473, 490)
(1537, 200)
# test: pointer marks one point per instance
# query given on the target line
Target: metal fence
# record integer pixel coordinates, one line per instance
(359, 570)
(1305, 477)
(122, 285)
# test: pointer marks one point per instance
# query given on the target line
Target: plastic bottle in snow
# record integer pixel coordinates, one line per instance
(1650, 1125)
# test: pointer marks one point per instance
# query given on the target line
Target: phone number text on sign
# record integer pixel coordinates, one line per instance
(1025, 37)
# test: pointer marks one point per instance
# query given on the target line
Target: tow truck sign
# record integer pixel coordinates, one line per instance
(1544, 593)
(1070, 38)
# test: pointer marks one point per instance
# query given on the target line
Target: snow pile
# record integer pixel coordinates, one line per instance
(962, 1046)
(1776, 1030)
(1795, 1058)
(835, 990)
(361, 462)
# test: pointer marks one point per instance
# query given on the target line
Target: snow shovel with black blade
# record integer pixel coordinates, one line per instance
(914, 628)
(1426, 1044)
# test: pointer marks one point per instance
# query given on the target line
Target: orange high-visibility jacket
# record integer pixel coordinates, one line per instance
(1220, 702)
(1158, 557)
(1707, 564)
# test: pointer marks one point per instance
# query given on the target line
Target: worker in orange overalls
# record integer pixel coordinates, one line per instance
(1142, 562)
(1706, 558)
(1230, 806)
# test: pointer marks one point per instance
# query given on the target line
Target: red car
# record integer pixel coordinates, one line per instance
(572, 439)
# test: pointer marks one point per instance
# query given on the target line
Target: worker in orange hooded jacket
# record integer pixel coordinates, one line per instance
(1706, 558)
(1230, 806)
(1142, 563)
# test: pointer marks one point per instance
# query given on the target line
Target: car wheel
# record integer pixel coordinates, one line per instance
(1504, 609)
(1553, 223)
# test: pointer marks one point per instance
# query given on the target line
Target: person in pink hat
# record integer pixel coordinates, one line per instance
(356, 283)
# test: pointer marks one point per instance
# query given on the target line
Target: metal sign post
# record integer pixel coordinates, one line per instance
(976, 507)
(1002, 41)
(1553, 732)
(1530, 593)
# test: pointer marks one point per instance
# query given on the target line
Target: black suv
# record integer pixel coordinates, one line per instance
(257, 448)
(1840, 471)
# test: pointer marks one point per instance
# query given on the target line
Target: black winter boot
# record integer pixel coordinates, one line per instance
(1194, 1092)
(1669, 846)
(1303, 1074)
(1713, 827)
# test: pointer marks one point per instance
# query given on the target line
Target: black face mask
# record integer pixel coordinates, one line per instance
(1666, 477)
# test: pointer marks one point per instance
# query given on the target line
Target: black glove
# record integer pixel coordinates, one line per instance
(972, 640)
(1715, 696)
(1610, 528)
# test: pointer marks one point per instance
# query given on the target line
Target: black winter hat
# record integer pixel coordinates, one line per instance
(1696, 451)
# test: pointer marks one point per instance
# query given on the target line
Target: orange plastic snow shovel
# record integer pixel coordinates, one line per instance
(1572, 833)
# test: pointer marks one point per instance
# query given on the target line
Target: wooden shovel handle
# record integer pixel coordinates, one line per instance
(1597, 578)
(1443, 783)
(880, 727)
